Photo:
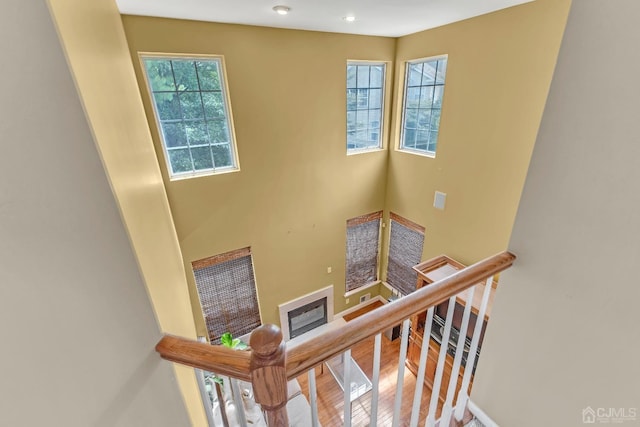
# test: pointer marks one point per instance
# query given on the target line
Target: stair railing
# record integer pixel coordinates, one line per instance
(269, 364)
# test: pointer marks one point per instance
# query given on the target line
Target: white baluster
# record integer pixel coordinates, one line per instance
(422, 367)
(435, 392)
(237, 401)
(403, 355)
(445, 416)
(206, 399)
(463, 396)
(313, 397)
(377, 348)
(346, 363)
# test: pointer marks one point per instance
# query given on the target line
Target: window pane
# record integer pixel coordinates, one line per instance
(185, 73)
(433, 142)
(424, 89)
(180, 160)
(415, 74)
(375, 98)
(192, 112)
(374, 119)
(191, 105)
(363, 76)
(213, 105)
(197, 133)
(413, 97)
(363, 98)
(362, 138)
(442, 70)
(422, 139)
(174, 135)
(411, 118)
(218, 131)
(159, 74)
(363, 124)
(168, 106)
(429, 73)
(362, 119)
(426, 96)
(352, 96)
(202, 158)
(435, 120)
(424, 118)
(351, 139)
(374, 138)
(409, 138)
(351, 120)
(438, 92)
(209, 75)
(351, 76)
(222, 155)
(377, 76)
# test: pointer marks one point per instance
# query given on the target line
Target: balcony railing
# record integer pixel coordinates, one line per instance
(268, 365)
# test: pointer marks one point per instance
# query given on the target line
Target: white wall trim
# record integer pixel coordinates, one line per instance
(362, 288)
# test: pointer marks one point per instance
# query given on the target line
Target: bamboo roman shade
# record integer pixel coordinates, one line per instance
(363, 242)
(405, 251)
(227, 290)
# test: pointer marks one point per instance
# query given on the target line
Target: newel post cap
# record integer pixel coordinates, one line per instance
(265, 340)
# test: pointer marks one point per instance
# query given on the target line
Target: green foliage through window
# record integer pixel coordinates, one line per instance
(424, 89)
(190, 105)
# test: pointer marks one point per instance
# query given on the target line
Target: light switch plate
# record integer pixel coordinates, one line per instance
(439, 200)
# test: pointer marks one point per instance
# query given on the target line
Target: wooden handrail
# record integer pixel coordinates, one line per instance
(267, 365)
(333, 342)
(213, 358)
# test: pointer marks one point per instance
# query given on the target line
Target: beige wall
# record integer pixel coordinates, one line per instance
(499, 71)
(296, 187)
(564, 331)
(94, 42)
(78, 330)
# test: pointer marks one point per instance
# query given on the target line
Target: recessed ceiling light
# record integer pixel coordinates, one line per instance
(349, 18)
(281, 10)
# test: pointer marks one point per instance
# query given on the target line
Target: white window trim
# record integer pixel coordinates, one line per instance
(362, 288)
(383, 109)
(399, 147)
(224, 84)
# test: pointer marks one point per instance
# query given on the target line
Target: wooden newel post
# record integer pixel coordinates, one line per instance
(268, 373)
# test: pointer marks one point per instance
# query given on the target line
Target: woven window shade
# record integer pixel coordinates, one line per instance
(227, 290)
(363, 238)
(405, 251)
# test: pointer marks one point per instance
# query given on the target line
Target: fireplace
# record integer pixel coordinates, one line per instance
(306, 313)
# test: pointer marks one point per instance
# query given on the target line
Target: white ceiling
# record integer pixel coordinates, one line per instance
(373, 17)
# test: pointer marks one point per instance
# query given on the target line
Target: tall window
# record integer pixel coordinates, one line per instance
(365, 100)
(363, 242)
(424, 88)
(192, 112)
(227, 290)
(405, 250)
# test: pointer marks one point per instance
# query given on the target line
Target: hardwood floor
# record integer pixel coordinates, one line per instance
(331, 397)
